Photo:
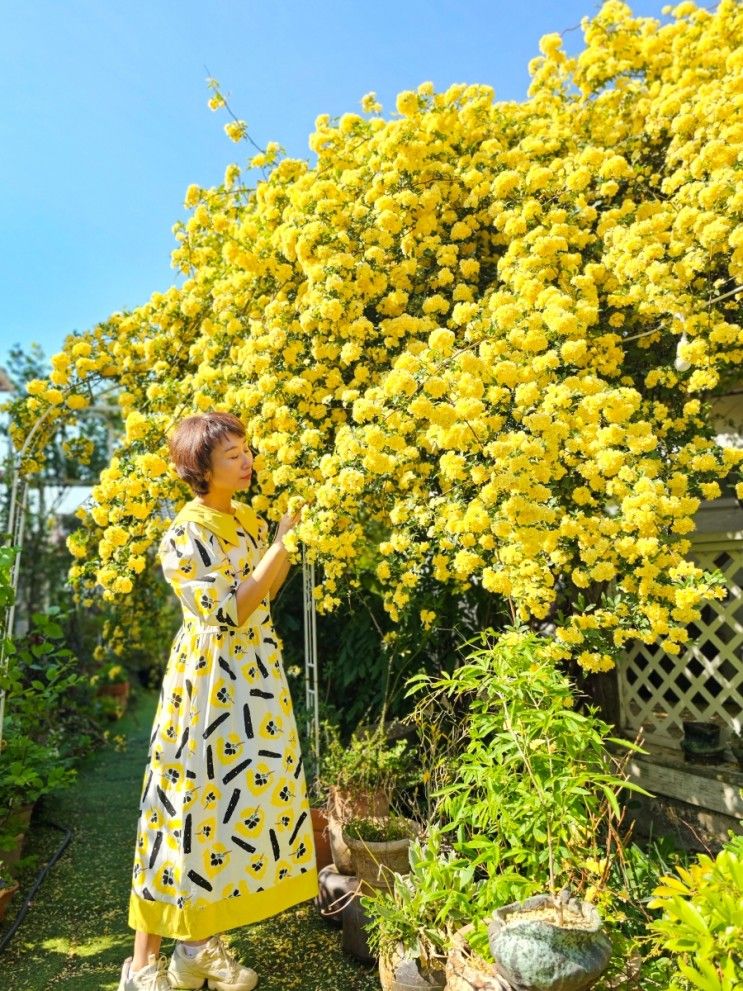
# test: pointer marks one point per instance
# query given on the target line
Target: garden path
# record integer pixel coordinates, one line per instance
(75, 935)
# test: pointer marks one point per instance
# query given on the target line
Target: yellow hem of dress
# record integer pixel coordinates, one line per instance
(164, 919)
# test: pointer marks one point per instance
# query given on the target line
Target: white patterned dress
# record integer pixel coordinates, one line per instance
(224, 836)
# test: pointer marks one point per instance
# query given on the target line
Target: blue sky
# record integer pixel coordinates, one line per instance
(105, 122)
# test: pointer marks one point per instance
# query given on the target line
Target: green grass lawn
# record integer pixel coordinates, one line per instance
(75, 936)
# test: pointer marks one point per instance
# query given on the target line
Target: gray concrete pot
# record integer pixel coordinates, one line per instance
(403, 972)
(541, 955)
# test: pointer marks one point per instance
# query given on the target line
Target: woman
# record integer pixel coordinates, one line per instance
(225, 834)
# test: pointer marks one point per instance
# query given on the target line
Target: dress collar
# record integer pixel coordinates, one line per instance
(225, 525)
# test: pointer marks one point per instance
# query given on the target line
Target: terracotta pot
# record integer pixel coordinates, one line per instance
(323, 853)
(18, 818)
(12, 856)
(403, 972)
(345, 805)
(466, 969)
(23, 814)
(537, 948)
(118, 690)
(374, 862)
(6, 893)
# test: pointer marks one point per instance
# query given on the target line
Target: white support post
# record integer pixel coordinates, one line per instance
(310, 652)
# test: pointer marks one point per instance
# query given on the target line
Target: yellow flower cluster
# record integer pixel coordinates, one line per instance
(455, 335)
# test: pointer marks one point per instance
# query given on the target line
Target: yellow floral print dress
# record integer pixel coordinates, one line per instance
(224, 836)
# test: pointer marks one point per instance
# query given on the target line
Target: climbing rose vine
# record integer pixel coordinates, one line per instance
(458, 335)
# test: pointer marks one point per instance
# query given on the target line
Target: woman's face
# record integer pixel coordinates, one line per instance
(231, 464)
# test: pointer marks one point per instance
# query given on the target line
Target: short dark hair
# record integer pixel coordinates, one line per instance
(192, 442)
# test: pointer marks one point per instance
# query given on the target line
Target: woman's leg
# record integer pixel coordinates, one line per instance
(144, 944)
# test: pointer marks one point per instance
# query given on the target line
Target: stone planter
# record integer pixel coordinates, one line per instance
(466, 970)
(344, 805)
(373, 862)
(323, 853)
(537, 950)
(403, 972)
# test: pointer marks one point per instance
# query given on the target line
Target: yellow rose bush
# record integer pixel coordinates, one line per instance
(459, 336)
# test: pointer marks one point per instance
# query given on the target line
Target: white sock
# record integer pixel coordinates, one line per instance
(191, 951)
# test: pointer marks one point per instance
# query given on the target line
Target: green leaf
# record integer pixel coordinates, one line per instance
(689, 914)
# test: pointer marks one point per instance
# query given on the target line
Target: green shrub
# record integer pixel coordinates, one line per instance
(523, 788)
(369, 761)
(702, 921)
(525, 777)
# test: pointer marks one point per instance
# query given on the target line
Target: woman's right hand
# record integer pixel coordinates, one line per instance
(287, 522)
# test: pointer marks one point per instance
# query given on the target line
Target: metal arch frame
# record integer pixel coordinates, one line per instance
(16, 521)
(16, 527)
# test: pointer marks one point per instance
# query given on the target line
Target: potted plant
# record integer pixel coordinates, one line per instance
(528, 785)
(360, 778)
(113, 682)
(28, 770)
(8, 888)
(701, 741)
(546, 942)
(409, 924)
(379, 847)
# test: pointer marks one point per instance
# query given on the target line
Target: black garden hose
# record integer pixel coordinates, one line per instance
(21, 914)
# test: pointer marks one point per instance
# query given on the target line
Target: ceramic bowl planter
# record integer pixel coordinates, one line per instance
(701, 742)
(541, 946)
(467, 970)
(344, 805)
(404, 972)
(374, 861)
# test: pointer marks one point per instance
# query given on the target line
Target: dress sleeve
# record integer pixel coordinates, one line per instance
(201, 574)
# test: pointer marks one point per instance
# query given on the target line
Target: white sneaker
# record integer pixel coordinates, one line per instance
(149, 978)
(216, 963)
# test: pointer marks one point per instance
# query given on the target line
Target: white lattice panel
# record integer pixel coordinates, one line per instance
(659, 691)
